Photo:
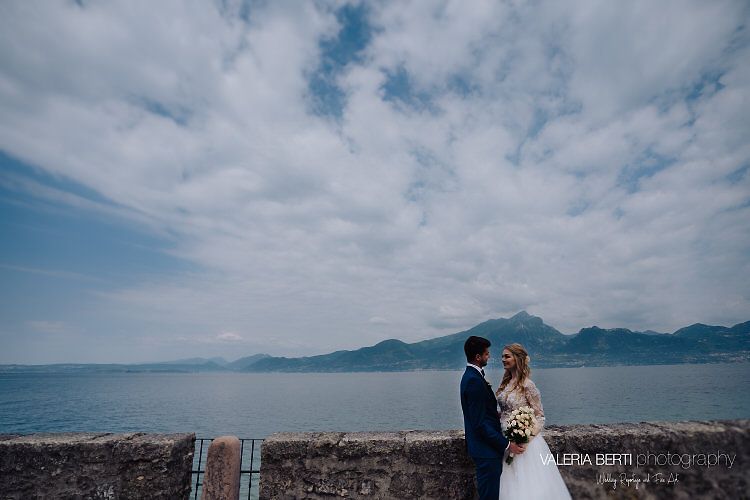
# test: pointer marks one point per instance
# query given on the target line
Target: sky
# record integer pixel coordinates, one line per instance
(227, 178)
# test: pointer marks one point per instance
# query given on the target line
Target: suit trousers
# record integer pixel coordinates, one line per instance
(488, 477)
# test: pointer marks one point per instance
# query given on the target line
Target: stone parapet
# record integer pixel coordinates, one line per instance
(96, 466)
(434, 464)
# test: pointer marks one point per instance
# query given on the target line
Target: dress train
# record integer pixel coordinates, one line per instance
(528, 477)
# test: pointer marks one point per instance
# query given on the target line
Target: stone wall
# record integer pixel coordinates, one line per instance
(96, 466)
(420, 464)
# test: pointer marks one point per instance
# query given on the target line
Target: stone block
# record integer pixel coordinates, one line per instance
(96, 466)
(222, 479)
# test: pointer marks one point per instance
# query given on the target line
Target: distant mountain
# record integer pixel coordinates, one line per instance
(196, 361)
(246, 362)
(547, 347)
(161, 367)
(717, 337)
(597, 346)
(592, 346)
(651, 332)
(190, 365)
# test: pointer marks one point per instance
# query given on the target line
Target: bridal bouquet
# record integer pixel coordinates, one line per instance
(519, 425)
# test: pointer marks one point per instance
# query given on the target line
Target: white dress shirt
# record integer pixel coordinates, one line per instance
(477, 368)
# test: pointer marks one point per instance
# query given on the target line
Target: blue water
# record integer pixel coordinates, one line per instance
(255, 405)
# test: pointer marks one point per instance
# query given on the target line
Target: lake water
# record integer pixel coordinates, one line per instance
(255, 405)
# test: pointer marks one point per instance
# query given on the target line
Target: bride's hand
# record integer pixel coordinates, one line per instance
(517, 449)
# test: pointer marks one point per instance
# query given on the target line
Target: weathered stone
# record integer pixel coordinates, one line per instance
(422, 464)
(222, 479)
(96, 465)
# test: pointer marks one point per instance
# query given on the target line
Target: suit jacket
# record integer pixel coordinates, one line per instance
(484, 436)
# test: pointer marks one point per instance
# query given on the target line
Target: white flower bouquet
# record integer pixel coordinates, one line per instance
(519, 426)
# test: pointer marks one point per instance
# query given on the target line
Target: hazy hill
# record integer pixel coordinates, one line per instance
(547, 347)
(245, 362)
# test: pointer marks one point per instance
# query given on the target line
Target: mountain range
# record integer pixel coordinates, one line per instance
(547, 347)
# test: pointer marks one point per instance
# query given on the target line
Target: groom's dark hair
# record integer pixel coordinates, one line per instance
(475, 346)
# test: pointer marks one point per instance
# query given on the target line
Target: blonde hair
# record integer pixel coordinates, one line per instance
(523, 371)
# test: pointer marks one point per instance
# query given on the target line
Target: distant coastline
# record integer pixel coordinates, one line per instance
(549, 348)
(93, 368)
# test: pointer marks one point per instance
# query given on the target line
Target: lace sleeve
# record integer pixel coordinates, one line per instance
(535, 401)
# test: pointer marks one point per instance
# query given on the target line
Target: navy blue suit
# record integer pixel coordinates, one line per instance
(484, 436)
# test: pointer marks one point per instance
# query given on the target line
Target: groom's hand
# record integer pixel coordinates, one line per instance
(517, 449)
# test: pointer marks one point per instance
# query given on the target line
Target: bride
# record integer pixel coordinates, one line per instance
(527, 476)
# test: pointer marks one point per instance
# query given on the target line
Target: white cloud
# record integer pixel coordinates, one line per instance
(229, 337)
(379, 320)
(530, 188)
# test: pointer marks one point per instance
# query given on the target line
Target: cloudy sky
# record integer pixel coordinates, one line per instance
(226, 178)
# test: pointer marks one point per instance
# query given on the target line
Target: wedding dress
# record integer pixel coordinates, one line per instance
(528, 476)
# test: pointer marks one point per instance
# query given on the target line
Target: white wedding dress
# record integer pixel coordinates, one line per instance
(528, 477)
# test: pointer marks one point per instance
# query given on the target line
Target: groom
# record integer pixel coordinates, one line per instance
(484, 437)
